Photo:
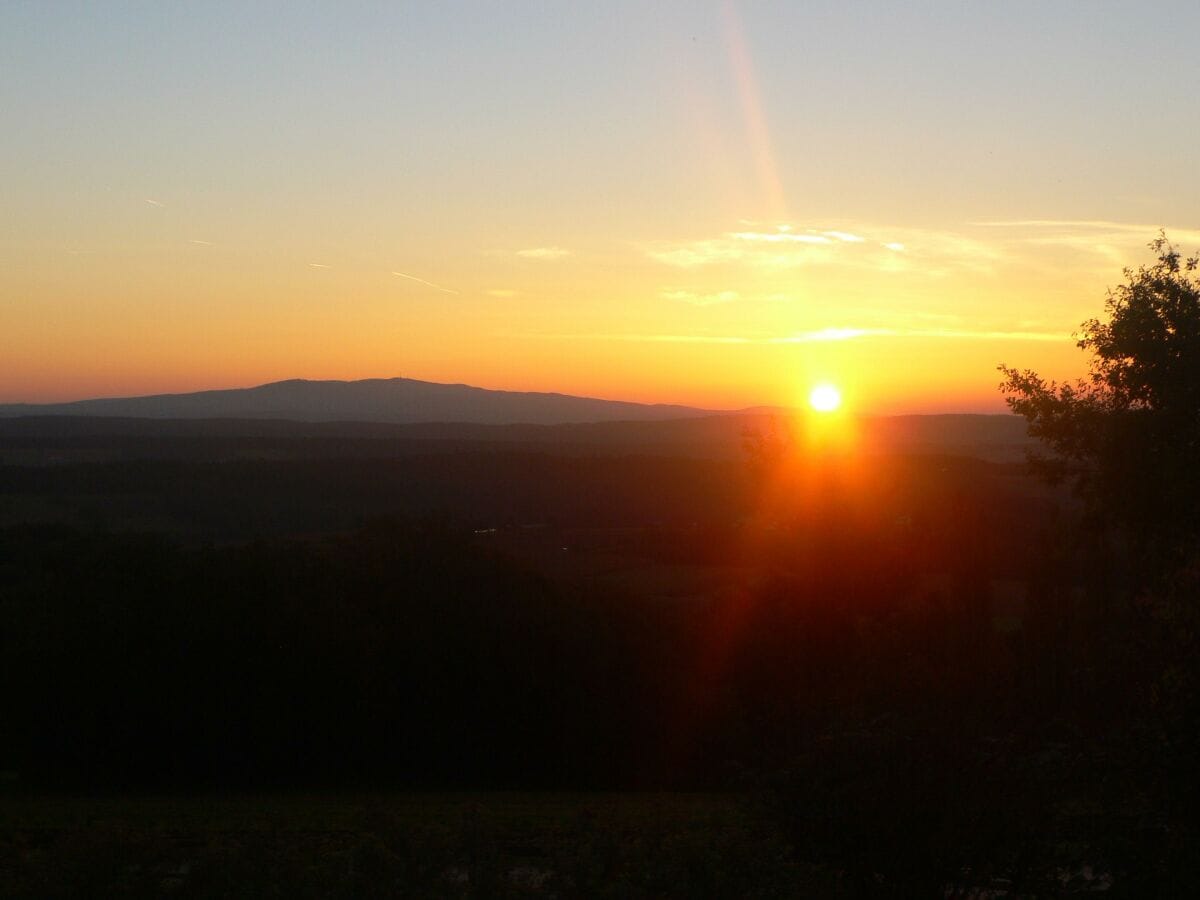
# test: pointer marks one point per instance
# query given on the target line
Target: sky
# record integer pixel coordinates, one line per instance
(710, 203)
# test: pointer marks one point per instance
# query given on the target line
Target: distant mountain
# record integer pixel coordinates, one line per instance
(392, 400)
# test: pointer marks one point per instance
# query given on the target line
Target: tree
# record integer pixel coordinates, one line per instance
(1127, 436)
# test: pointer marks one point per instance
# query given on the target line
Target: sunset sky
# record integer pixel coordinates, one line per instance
(717, 204)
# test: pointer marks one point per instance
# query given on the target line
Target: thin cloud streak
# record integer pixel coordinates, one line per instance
(780, 237)
(544, 253)
(700, 299)
(819, 336)
(871, 248)
(1066, 223)
(436, 287)
(1103, 242)
(1082, 230)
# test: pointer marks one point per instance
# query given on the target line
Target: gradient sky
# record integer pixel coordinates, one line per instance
(707, 203)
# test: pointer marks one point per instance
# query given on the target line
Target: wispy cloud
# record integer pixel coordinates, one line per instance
(845, 236)
(1050, 336)
(201, 243)
(503, 293)
(884, 249)
(780, 237)
(817, 336)
(648, 338)
(1100, 243)
(694, 253)
(436, 287)
(154, 202)
(544, 253)
(1074, 224)
(833, 334)
(318, 266)
(700, 299)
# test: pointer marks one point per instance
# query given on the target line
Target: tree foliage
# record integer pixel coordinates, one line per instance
(1127, 435)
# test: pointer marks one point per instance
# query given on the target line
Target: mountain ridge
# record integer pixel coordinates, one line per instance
(392, 400)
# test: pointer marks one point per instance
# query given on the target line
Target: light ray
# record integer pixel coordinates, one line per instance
(757, 133)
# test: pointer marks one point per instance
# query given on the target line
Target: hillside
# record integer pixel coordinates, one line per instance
(396, 400)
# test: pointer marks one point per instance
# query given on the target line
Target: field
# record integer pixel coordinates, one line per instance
(395, 845)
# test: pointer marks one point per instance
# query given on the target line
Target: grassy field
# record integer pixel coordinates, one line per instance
(396, 845)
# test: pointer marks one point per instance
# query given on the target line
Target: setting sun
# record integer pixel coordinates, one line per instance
(825, 398)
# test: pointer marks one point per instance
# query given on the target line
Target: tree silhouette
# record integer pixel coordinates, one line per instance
(1127, 435)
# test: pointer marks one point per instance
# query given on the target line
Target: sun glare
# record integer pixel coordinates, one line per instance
(825, 398)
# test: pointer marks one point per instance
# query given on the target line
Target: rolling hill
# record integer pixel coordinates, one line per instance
(394, 400)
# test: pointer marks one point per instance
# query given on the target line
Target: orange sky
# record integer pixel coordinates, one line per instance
(716, 205)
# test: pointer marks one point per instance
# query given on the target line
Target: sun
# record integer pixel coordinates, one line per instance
(825, 398)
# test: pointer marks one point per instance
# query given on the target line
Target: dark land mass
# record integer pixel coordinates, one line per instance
(369, 400)
(889, 667)
(45, 439)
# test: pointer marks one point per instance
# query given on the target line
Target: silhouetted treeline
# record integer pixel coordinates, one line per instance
(411, 654)
(398, 655)
(923, 662)
(243, 499)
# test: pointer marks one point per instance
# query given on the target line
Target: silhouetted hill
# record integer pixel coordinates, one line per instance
(396, 400)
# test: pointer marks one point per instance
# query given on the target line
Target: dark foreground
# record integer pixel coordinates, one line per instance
(397, 845)
(857, 675)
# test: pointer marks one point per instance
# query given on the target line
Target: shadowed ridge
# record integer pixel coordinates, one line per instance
(394, 400)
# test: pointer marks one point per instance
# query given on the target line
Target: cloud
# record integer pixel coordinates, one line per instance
(780, 237)
(700, 299)
(318, 266)
(1101, 245)
(544, 253)
(502, 293)
(154, 202)
(1073, 224)
(759, 249)
(695, 253)
(870, 248)
(1050, 336)
(201, 243)
(833, 334)
(818, 336)
(648, 338)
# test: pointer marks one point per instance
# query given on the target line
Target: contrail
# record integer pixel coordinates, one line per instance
(436, 287)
